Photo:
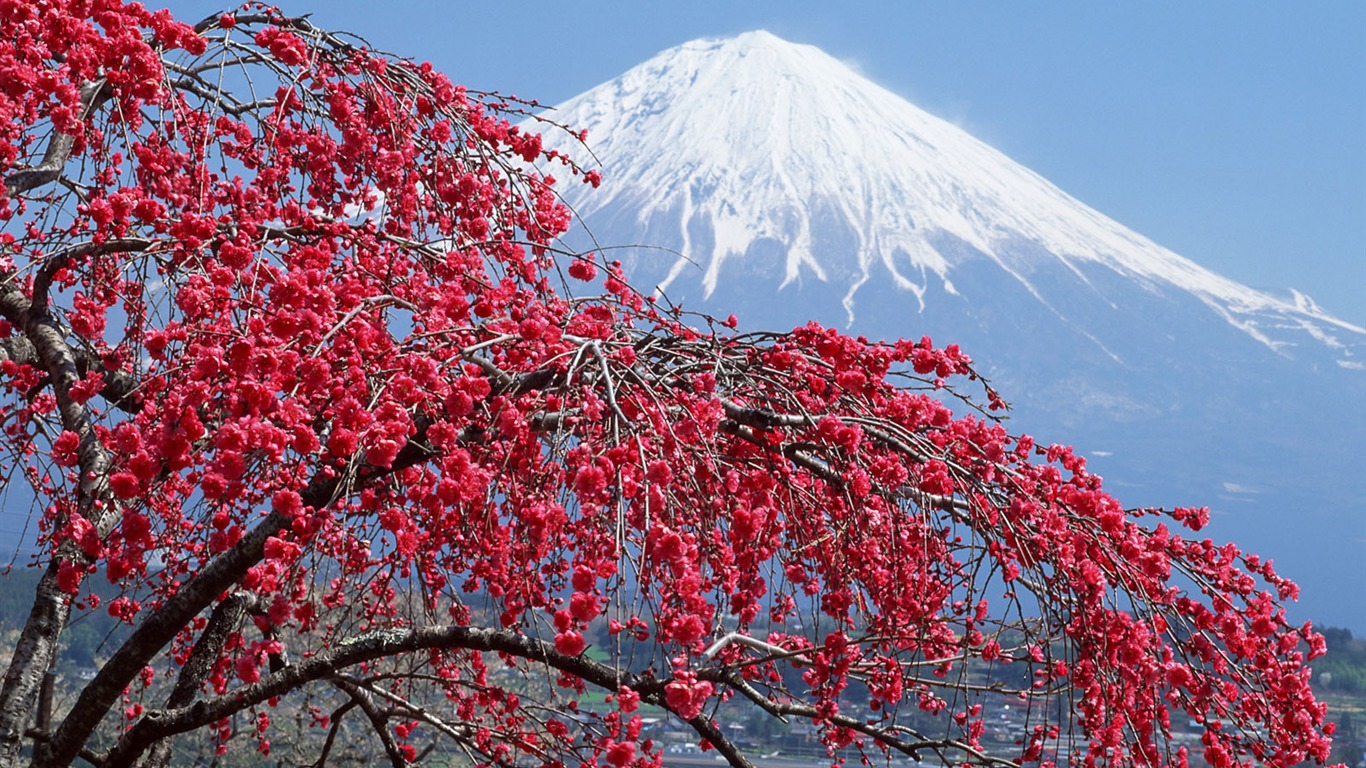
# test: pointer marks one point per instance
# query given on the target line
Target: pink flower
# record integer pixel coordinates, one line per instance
(584, 607)
(69, 576)
(991, 651)
(248, 668)
(582, 269)
(621, 753)
(64, 449)
(686, 695)
(124, 484)
(590, 481)
(279, 549)
(570, 643)
(287, 503)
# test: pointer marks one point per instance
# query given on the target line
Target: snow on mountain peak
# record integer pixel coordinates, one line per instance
(738, 141)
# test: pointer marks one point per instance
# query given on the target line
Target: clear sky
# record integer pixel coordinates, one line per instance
(1234, 133)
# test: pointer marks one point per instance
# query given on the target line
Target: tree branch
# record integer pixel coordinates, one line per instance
(59, 147)
(763, 418)
(706, 728)
(333, 728)
(882, 735)
(797, 453)
(379, 721)
(37, 644)
(120, 389)
(159, 724)
(42, 282)
(192, 598)
(223, 622)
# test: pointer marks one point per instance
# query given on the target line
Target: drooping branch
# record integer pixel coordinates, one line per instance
(42, 281)
(162, 723)
(157, 725)
(707, 729)
(193, 597)
(120, 388)
(462, 733)
(885, 735)
(59, 147)
(333, 729)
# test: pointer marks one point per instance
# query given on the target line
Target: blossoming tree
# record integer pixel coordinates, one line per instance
(289, 362)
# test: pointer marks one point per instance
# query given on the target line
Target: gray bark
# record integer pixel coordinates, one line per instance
(37, 644)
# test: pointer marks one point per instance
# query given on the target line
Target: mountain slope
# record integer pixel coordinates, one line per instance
(771, 180)
(753, 138)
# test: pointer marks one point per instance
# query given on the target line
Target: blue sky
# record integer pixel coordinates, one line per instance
(1232, 133)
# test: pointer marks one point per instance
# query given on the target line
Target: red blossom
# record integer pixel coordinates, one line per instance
(124, 484)
(248, 668)
(570, 643)
(686, 695)
(287, 503)
(627, 699)
(621, 753)
(583, 269)
(64, 449)
(69, 577)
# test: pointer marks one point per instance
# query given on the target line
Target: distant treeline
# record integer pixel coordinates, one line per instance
(16, 594)
(1343, 669)
(90, 636)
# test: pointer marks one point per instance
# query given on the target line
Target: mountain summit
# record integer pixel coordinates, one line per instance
(767, 178)
(753, 141)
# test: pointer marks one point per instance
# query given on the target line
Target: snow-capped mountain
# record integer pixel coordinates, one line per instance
(769, 179)
(753, 138)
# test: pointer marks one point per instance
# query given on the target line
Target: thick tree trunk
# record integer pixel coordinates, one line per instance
(33, 654)
(37, 645)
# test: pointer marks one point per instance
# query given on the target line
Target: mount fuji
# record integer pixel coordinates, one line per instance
(757, 176)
